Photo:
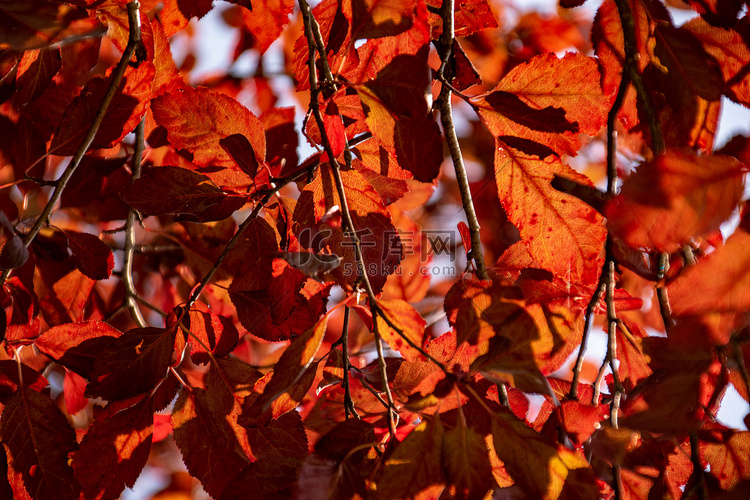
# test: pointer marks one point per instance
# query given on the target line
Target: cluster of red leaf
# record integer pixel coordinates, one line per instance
(192, 283)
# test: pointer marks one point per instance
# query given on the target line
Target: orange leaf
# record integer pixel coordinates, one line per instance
(466, 461)
(291, 366)
(407, 320)
(562, 233)
(547, 101)
(673, 198)
(538, 465)
(722, 279)
(418, 458)
(266, 20)
(197, 119)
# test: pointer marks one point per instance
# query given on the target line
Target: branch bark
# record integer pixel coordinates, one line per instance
(446, 117)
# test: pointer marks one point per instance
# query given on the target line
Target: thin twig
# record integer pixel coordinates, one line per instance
(134, 41)
(611, 191)
(740, 360)
(661, 292)
(127, 261)
(573, 393)
(348, 403)
(315, 40)
(631, 67)
(446, 118)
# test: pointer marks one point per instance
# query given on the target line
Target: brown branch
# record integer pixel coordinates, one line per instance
(315, 41)
(740, 360)
(134, 41)
(446, 117)
(127, 261)
(611, 191)
(348, 402)
(631, 67)
(661, 292)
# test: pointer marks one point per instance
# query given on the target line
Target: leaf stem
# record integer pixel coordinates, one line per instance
(447, 39)
(134, 40)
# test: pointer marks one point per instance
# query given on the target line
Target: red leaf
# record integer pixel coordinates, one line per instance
(90, 255)
(380, 241)
(188, 194)
(410, 323)
(723, 279)
(265, 20)
(197, 119)
(397, 115)
(41, 470)
(466, 462)
(132, 364)
(114, 451)
(726, 455)
(673, 198)
(74, 386)
(419, 458)
(68, 298)
(290, 367)
(548, 101)
(21, 307)
(214, 331)
(334, 128)
(35, 72)
(125, 111)
(206, 451)
(379, 18)
(239, 148)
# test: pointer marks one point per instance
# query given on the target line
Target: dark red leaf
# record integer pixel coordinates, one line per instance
(187, 194)
(41, 469)
(114, 451)
(90, 255)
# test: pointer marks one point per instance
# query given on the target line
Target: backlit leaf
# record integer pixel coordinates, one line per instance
(407, 320)
(723, 279)
(547, 100)
(466, 462)
(378, 18)
(266, 20)
(563, 234)
(538, 465)
(215, 332)
(35, 72)
(91, 255)
(673, 198)
(206, 451)
(291, 366)
(77, 345)
(123, 114)
(197, 119)
(132, 364)
(37, 440)
(114, 451)
(419, 458)
(188, 194)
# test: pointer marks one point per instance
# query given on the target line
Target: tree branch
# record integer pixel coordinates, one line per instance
(631, 67)
(446, 117)
(127, 261)
(315, 42)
